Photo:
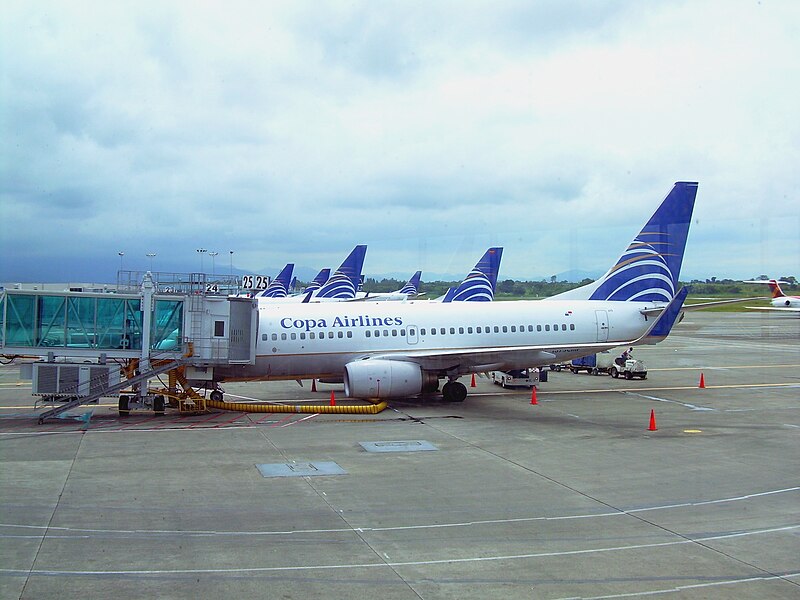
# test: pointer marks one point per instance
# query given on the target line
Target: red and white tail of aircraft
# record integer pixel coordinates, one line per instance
(780, 301)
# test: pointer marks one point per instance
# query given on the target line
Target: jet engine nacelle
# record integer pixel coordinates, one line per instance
(386, 379)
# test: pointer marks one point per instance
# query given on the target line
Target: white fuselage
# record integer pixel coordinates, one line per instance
(303, 341)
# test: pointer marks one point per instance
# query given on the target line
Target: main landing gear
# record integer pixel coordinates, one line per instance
(454, 391)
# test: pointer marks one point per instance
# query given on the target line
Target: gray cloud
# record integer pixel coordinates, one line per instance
(292, 131)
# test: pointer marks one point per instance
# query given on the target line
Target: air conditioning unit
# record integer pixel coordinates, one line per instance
(73, 379)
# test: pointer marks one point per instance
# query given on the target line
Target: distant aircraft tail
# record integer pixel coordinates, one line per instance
(279, 288)
(480, 284)
(345, 281)
(776, 290)
(648, 271)
(412, 285)
(319, 280)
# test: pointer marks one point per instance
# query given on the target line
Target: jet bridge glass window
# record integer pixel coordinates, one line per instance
(219, 328)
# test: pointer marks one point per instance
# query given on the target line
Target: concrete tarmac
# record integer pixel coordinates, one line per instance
(571, 498)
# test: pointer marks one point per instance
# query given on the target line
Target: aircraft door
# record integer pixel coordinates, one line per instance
(602, 325)
(412, 333)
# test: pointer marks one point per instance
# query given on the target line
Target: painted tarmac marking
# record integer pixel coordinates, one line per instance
(203, 533)
(415, 563)
(683, 588)
(686, 404)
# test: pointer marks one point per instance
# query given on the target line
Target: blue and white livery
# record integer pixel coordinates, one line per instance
(402, 349)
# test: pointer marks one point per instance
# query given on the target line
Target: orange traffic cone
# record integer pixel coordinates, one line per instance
(333, 399)
(313, 385)
(652, 421)
(473, 381)
(702, 381)
(533, 395)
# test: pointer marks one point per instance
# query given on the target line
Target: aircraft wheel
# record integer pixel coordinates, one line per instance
(216, 396)
(458, 392)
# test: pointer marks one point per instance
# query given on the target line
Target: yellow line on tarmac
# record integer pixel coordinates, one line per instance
(727, 367)
(677, 387)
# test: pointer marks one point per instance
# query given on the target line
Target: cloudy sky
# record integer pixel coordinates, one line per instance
(291, 131)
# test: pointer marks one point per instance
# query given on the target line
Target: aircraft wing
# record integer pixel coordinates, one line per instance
(472, 358)
(776, 308)
(702, 305)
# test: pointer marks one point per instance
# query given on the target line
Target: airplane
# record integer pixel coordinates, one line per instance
(780, 302)
(403, 349)
(279, 287)
(481, 283)
(409, 290)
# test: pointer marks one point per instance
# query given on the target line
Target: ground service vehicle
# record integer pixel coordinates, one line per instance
(516, 378)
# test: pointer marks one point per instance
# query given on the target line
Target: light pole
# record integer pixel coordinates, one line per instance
(213, 255)
(150, 255)
(231, 251)
(201, 252)
(121, 254)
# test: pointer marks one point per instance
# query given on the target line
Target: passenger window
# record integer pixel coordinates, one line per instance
(303, 335)
(563, 327)
(433, 330)
(264, 337)
(274, 337)
(368, 333)
(386, 333)
(555, 327)
(294, 336)
(547, 327)
(312, 335)
(496, 329)
(349, 334)
(444, 331)
(421, 331)
(340, 334)
(478, 329)
(283, 336)
(530, 327)
(513, 329)
(538, 328)
(572, 326)
(505, 329)
(394, 332)
(469, 329)
(460, 330)
(412, 332)
(377, 333)
(330, 335)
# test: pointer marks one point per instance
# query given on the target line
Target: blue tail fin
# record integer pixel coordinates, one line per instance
(345, 281)
(667, 319)
(320, 279)
(480, 284)
(279, 288)
(412, 285)
(648, 271)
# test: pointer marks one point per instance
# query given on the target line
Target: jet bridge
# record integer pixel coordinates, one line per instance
(98, 344)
